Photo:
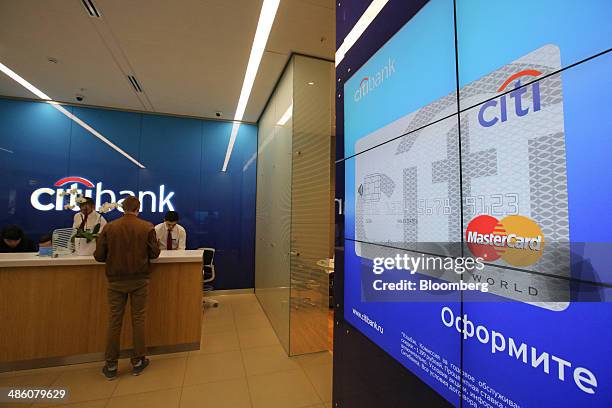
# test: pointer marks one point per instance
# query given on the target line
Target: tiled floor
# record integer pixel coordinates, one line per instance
(240, 364)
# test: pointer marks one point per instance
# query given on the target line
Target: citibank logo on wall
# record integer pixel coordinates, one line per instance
(516, 239)
(374, 81)
(490, 114)
(49, 199)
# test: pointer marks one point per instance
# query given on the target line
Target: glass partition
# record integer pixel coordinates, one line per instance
(273, 214)
(294, 202)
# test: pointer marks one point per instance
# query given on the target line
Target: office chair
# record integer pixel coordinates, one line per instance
(208, 274)
(62, 241)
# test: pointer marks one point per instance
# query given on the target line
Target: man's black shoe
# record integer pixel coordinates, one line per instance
(139, 367)
(108, 373)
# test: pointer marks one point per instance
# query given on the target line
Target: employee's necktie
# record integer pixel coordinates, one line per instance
(84, 222)
(169, 241)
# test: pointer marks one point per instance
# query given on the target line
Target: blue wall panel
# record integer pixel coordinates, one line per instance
(40, 146)
(33, 153)
(227, 201)
(171, 147)
(98, 162)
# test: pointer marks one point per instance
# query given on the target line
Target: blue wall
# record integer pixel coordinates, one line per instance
(39, 146)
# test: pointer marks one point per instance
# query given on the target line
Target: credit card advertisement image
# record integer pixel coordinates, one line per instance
(491, 181)
(513, 158)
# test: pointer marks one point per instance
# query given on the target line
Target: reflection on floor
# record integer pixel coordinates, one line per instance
(309, 328)
(240, 364)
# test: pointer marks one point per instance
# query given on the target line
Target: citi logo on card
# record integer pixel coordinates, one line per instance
(496, 110)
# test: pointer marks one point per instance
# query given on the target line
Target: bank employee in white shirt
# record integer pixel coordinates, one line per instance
(170, 235)
(87, 218)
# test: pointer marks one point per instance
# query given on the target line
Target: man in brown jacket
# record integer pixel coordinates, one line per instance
(126, 245)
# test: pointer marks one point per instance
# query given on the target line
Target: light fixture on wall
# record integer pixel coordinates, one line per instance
(364, 21)
(17, 78)
(264, 26)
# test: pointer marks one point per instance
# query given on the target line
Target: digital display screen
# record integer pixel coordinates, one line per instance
(495, 152)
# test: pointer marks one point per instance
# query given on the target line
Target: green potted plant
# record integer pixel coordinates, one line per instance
(85, 240)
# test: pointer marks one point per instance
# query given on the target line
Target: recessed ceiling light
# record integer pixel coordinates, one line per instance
(266, 19)
(311, 83)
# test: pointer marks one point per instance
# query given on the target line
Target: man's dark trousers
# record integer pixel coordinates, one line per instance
(118, 293)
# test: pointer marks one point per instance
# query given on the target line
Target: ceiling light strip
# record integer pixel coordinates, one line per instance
(230, 146)
(95, 133)
(264, 26)
(359, 28)
(13, 75)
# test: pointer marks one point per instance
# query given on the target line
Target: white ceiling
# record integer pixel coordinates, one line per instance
(189, 56)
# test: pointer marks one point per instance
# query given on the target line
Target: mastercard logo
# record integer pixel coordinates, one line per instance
(516, 239)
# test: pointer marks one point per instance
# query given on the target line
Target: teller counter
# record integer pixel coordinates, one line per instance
(54, 311)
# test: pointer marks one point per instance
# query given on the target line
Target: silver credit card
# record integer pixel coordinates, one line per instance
(408, 190)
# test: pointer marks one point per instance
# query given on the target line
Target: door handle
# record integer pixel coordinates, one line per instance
(295, 253)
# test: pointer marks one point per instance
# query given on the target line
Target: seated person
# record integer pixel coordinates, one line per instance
(87, 218)
(170, 235)
(14, 240)
(45, 241)
(45, 245)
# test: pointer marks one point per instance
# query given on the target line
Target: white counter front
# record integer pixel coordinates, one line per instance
(32, 259)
